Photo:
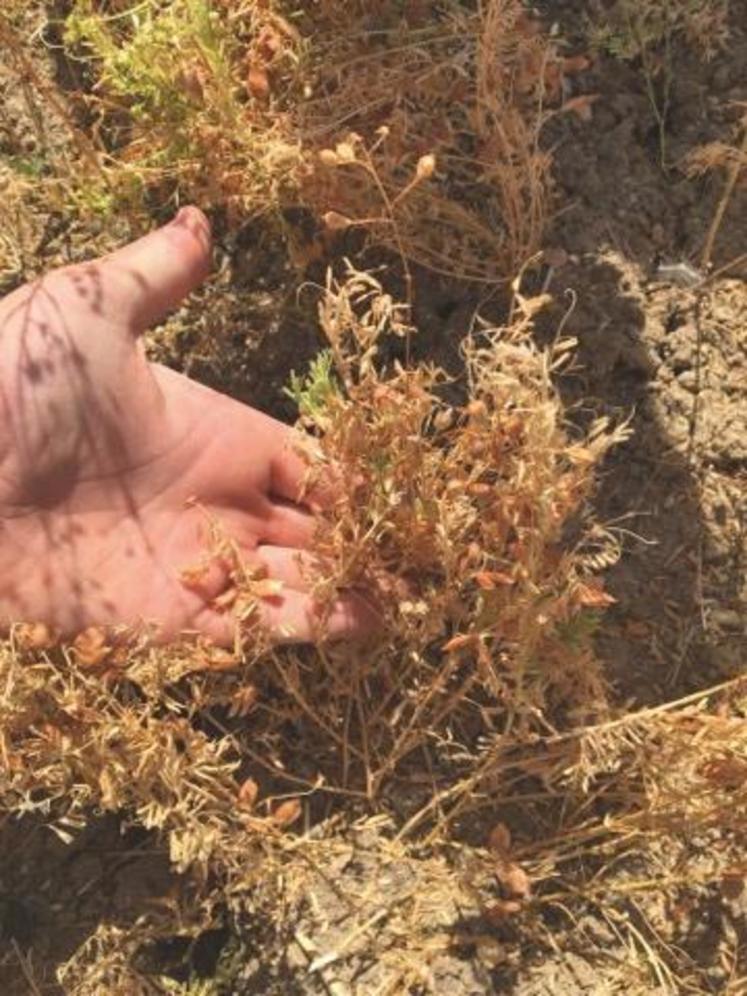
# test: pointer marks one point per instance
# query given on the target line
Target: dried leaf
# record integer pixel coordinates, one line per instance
(593, 596)
(90, 646)
(514, 879)
(574, 64)
(443, 419)
(494, 579)
(581, 105)
(34, 636)
(267, 588)
(217, 659)
(243, 701)
(479, 489)
(335, 221)
(194, 577)
(458, 642)
(501, 910)
(258, 83)
(287, 812)
(248, 793)
(226, 599)
(499, 841)
(581, 456)
(329, 157)
(426, 167)
(345, 152)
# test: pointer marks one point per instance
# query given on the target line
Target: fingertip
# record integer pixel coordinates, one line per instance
(299, 619)
(294, 617)
(192, 241)
(153, 275)
(352, 617)
(195, 222)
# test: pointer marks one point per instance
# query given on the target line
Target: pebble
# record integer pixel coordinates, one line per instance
(678, 429)
(688, 379)
(664, 374)
(682, 358)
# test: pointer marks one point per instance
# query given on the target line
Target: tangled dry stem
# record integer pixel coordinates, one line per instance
(468, 524)
(232, 105)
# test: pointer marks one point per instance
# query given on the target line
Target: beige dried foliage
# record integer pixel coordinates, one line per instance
(19, 227)
(733, 160)
(443, 116)
(427, 134)
(455, 517)
(714, 155)
(466, 502)
(423, 129)
(464, 514)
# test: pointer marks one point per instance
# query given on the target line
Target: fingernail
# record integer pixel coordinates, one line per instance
(192, 218)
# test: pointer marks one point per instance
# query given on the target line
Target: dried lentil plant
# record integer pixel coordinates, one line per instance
(456, 518)
(453, 519)
(232, 105)
(471, 87)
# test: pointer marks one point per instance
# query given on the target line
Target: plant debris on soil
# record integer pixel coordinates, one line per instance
(494, 257)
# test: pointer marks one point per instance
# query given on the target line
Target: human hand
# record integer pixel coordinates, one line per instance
(112, 468)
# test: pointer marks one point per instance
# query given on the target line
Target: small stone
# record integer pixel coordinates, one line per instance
(678, 428)
(682, 358)
(688, 379)
(665, 375)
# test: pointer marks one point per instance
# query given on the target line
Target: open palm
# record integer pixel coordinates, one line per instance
(114, 471)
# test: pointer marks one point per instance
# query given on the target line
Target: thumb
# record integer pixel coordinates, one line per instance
(153, 275)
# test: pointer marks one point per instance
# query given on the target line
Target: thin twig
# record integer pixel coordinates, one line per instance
(732, 176)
